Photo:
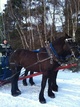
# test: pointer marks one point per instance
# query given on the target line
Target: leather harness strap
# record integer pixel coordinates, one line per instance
(39, 63)
(51, 54)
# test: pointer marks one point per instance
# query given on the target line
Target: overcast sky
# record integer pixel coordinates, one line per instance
(2, 2)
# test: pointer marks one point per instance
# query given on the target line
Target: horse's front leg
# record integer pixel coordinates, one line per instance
(14, 83)
(54, 83)
(14, 86)
(50, 93)
(41, 94)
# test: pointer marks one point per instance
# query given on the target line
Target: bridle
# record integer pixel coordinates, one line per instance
(53, 53)
(68, 41)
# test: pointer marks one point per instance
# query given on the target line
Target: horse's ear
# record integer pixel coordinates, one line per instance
(67, 36)
(48, 39)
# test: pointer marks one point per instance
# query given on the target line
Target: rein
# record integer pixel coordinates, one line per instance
(9, 78)
(51, 56)
(40, 61)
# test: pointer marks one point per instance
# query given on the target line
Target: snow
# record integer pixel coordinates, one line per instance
(2, 5)
(67, 96)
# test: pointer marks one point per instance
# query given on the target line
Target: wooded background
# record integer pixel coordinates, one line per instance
(29, 23)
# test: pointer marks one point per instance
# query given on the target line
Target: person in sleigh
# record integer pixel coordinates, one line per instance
(6, 50)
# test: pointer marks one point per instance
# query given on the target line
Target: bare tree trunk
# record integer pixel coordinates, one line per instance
(3, 22)
(44, 4)
(76, 19)
(23, 38)
(53, 28)
(74, 22)
(44, 18)
(68, 18)
(51, 34)
(40, 38)
(32, 36)
(38, 30)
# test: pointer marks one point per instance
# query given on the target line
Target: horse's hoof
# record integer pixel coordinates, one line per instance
(55, 88)
(25, 84)
(33, 83)
(18, 92)
(43, 101)
(52, 95)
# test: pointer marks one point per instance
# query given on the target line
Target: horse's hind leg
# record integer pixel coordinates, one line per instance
(31, 79)
(25, 80)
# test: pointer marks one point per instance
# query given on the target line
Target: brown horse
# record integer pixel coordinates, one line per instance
(38, 62)
(61, 55)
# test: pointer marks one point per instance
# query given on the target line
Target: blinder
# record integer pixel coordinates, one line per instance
(69, 40)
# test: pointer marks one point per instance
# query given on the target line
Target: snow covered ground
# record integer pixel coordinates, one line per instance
(67, 96)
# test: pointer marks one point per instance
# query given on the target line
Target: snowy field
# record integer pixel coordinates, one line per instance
(67, 96)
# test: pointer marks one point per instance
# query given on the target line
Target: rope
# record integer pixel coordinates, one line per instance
(9, 78)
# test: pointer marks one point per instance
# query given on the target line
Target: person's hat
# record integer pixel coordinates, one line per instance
(4, 39)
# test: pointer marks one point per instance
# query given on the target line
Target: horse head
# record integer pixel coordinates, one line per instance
(63, 48)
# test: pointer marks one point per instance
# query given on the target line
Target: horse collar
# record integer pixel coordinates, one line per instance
(55, 53)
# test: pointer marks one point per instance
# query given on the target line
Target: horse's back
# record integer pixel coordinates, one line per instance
(16, 54)
(23, 57)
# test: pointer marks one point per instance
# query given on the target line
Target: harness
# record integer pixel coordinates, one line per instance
(53, 56)
(60, 57)
(55, 53)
